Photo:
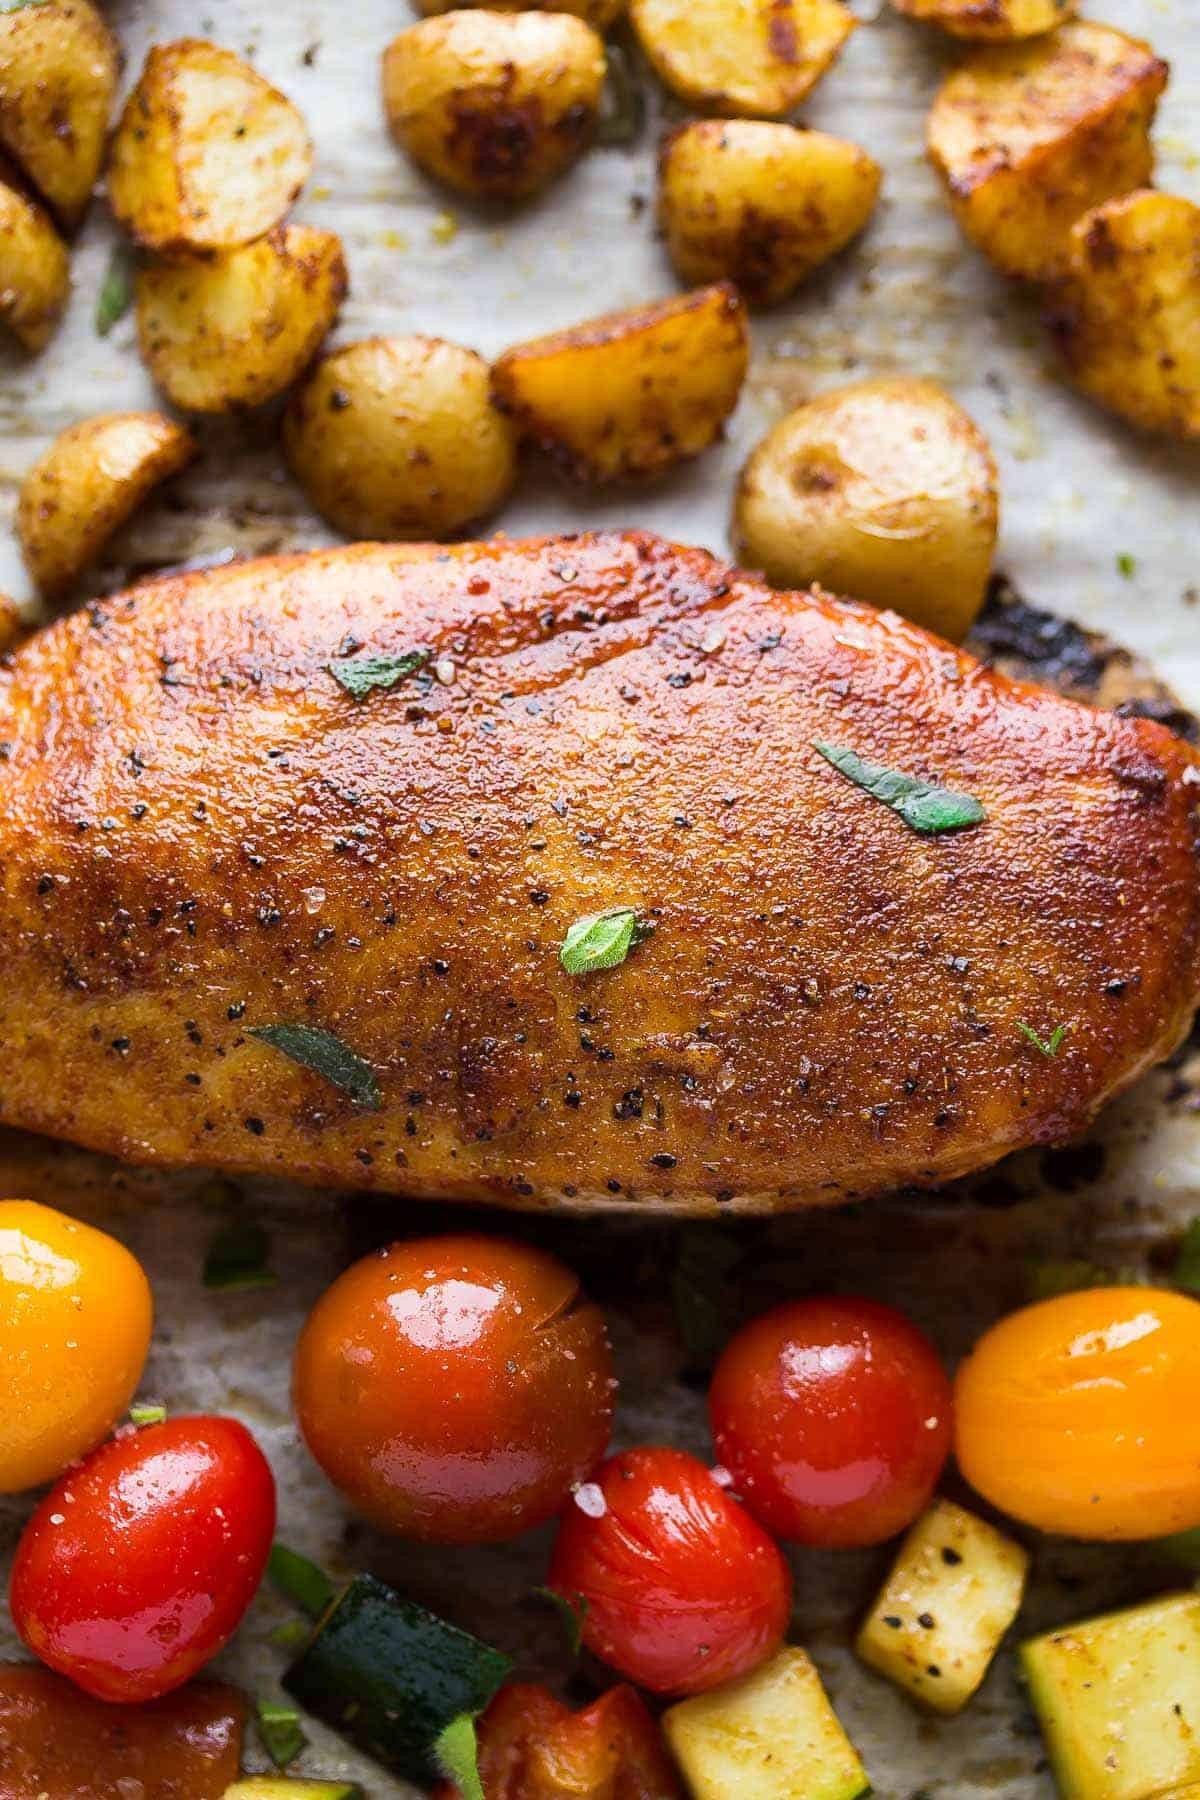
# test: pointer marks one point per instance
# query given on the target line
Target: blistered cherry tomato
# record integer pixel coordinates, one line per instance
(1081, 1415)
(455, 1388)
(75, 1320)
(683, 1589)
(139, 1564)
(532, 1748)
(833, 1418)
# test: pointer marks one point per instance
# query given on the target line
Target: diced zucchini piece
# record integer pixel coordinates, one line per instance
(771, 1736)
(290, 1787)
(954, 1590)
(1118, 1698)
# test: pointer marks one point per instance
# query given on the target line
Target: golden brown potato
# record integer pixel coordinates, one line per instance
(998, 20)
(630, 394)
(753, 57)
(35, 272)
(601, 15)
(760, 204)
(91, 479)
(398, 438)
(494, 104)
(207, 155)
(13, 624)
(59, 65)
(1028, 136)
(236, 329)
(1126, 316)
(885, 491)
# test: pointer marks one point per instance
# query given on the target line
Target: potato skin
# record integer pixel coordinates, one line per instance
(234, 330)
(35, 270)
(59, 65)
(601, 15)
(207, 155)
(760, 204)
(995, 21)
(91, 479)
(753, 58)
(1027, 137)
(883, 490)
(494, 104)
(398, 438)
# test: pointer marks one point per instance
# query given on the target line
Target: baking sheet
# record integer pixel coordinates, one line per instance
(1082, 496)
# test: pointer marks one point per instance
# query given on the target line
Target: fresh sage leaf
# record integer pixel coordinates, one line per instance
(602, 940)
(1186, 1273)
(280, 1731)
(361, 675)
(325, 1055)
(572, 1611)
(921, 805)
(116, 294)
(147, 1415)
(237, 1259)
(1048, 1046)
(300, 1580)
(456, 1752)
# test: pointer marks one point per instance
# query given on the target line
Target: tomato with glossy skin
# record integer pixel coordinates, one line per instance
(683, 1589)
(455, 1388)
(532, 1748)
(833, 1417)
(75, 1322)
(1081, 1415)
(139, 1564)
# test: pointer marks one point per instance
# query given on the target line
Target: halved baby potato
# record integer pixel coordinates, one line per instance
(35, 271)
(757, 58)
(884, 491)
(1028, 136)
(398, 438)
(90, 481)
(1127, 315)
(207, 155)
(760, 204)
(495, 104)
(235, 330)
(630, 394)
(999, 21)
(59, 65)
(601, 15)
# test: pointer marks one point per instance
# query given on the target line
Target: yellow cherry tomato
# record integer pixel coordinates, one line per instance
(75, 1321)
(1081, 1415)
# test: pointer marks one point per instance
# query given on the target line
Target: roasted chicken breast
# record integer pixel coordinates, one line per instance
(204, 835)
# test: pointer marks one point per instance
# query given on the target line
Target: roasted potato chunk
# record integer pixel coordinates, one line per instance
(494, 104)
(601, 15)
(1127, 314)
(999, 21)
(35, 272)
(885, 491)
(13, 624)
(760, 204)
(208, 155)
(1027, 137)
(630, 394)
(90, 481)
(59, 65)
(757, 58)
(235, 330)
(398, 438)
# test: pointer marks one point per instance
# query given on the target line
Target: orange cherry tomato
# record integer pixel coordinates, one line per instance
(75, 1321)
(1081, 1415)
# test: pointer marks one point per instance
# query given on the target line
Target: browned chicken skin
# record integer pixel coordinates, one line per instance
(202, 833)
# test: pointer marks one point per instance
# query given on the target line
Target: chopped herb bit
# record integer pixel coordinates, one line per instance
(923, 806)
(300, 1580)
(325, 1055)
(602, 940)
(572, 1610)
(456, 1752)
(116, 293)
(1126, 565)
(279, 1729)
(702, 1293)
(147, 1415)
(361, 675)
(622, 101)
(1048, 1046)
(1184, 1548)
(1186, 1273)
(237, 1258)
(292, 1635)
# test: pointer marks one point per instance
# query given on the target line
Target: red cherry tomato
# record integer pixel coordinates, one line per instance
(833, 1418)
(140, 1562)
(683, 1589)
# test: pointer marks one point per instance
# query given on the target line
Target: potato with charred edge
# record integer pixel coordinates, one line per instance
(235, 330)
(1126, 317)
(398, 438)
(1027, 137)
(207, 155)
(35, 273)
(90, 481)
(601, 15)
(756, 58)
(760, 204)
(885, 491)
(630, 394)
(997, 21)
(59, 65)
(494, 104)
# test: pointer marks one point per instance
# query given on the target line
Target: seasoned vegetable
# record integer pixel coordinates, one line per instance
(13, 624)
(954, 1590)
(236, 329)
(885, 491)
(998, 20)
(207, 155)
(753, 57)
(532, 1748)
(630, 394)
(495, 104)
(601, 15)
(89, 482)
(37, 276)
(398, 438)
(1027, 137)
(59, 64)
(760, 204)
(290, 1787)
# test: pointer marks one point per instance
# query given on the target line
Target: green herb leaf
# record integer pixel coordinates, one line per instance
(325, 1055)
(602, 940)
(702, 1292)
(1048, 1046)
(237, 1259)
(1127, 565)
(116, 294)
(291, 1636)
(1183, 1547)
(147, 1415)
(361, 675)
(300, 1580)
(1186, 1273)
(456, 1752)
(920, 804)
(572, 1611)
(279, 1729)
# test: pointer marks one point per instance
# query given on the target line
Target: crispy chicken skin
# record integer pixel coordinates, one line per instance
(202, 833)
